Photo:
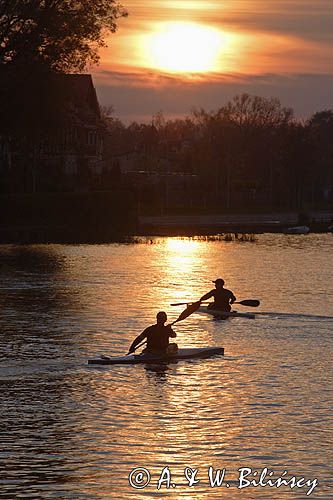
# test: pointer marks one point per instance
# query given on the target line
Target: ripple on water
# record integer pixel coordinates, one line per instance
(73, 431)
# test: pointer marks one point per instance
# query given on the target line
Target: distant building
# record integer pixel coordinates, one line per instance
(163, 190)
(138, 161)
(5, 154)
(129, 161)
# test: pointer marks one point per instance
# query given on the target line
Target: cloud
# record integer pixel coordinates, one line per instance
(280, 48)
(296, 36)
(305, 93)
(308, 19)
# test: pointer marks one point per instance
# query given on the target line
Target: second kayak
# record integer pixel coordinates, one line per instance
(225, 314)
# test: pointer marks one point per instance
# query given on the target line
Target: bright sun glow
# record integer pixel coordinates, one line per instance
(184, 48)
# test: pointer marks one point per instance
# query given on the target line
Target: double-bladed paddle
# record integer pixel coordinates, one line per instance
(249, 303)
(137, 347)
(191, 308)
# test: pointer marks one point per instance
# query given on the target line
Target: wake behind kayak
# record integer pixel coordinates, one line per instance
(194, 353)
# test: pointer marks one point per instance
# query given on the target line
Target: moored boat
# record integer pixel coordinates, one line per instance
(193, 353)
(297, 230)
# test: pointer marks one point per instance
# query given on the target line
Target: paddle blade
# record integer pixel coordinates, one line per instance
(249, 303)
(191, 308)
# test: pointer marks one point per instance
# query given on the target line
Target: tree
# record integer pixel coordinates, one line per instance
(320, 129)
(61, 35)
(256, 111)
(241, 148)
(158, 120)
(38, 40)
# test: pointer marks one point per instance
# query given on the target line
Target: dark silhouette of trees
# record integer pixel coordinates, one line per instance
(249, 154)
(241, 148)
(62, 35)
(320, 133)
(255, 111)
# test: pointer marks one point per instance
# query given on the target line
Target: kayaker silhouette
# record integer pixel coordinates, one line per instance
(157, 337)
(223, 298)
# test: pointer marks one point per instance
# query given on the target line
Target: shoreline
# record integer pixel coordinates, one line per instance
(166, 225)
(204, 225)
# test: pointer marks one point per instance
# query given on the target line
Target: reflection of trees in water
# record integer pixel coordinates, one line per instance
(31, 259)
(30, 279)
(38, 302)
(40, 432)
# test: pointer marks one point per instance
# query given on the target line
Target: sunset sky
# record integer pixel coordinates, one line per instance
(173, 55)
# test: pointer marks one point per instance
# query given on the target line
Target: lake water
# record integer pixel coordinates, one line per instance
(70, 431)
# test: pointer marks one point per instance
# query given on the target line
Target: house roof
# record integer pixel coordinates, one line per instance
(82, 89)
(78, 90)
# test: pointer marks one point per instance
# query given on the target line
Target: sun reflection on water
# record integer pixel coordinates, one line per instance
(182, 262)
(184, 247)
(265, 403)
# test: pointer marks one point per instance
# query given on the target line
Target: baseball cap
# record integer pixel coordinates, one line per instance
(219, 280)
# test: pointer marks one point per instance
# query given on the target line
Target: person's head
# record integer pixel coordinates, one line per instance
(219, 283)
(161, 318)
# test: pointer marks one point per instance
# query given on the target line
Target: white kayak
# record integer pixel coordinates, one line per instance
(196, 352)
(225, 314)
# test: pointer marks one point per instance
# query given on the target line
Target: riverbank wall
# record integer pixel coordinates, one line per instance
(104, 217)
(246, 223)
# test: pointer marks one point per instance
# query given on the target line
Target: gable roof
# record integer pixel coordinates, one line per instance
(80, 90)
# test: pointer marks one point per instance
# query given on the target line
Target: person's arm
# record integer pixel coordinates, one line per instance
(232, 298)
(207, 295)
(137, 341)
(172, 333)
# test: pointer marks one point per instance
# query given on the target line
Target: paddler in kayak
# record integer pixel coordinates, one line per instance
(157, 337)
(223, 298)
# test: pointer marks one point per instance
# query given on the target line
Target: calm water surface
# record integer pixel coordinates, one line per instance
(69, 431)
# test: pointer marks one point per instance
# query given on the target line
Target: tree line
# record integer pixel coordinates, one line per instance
(251, 152)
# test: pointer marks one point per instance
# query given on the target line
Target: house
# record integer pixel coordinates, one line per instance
(77, 151)
(69, 156)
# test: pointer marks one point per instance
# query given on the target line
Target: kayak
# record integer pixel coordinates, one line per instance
(225, 314)
(194, 353)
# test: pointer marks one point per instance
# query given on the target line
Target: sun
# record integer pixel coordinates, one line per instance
(180, 47)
